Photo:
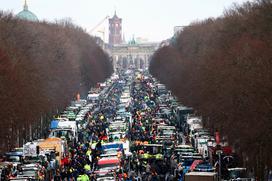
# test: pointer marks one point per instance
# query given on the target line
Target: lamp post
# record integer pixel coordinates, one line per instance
(219, 153)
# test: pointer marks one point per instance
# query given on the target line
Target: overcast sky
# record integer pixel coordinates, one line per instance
(151, 19)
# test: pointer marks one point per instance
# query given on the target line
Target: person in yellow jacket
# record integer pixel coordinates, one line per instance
(83, 177)
(89, 152)
(87, 167)
(101, 117)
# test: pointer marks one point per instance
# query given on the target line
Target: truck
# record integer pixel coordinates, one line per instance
(106, 168)
(31, 149)
(201, 176)
(64, 129)
(239, 174)
(161, 89)
(57, 146)
(181, 112)
(93, 97)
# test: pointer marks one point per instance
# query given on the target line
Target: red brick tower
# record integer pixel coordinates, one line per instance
(115, 30)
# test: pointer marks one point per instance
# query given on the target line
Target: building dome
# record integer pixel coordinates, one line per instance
(26, 14)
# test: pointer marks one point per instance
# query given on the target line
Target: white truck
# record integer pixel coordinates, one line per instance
(64, 129)
(31, 149)
(93, 97)
(201, 176)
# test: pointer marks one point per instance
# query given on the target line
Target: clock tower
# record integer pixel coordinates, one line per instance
(115, 30)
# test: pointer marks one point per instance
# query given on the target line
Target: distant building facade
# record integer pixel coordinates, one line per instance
(132, 55)
(115, 30)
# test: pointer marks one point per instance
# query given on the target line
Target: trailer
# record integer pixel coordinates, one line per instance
(201, 176)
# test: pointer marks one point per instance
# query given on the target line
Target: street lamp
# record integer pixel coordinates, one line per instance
(219, 153)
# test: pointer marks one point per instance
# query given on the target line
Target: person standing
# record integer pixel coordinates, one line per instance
(270, 175)
(57, 176)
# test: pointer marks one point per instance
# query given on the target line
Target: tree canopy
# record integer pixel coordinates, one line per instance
(222, 67)
(42, 67)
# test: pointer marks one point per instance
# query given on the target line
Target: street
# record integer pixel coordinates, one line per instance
(127, 128)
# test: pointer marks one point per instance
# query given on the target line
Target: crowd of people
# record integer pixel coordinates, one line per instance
(143, 106)
(129, 133)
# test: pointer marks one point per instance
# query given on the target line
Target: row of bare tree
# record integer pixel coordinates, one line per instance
(223, 68)
(42, 67)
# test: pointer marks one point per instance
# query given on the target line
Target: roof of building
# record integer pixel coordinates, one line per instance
(115, 16)
(26, 14)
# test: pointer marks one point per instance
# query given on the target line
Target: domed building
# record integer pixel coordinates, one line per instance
(26, 14)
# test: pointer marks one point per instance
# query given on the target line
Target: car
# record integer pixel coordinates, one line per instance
(106, 177)
(15, 157)
(29, 171)
(238, 174)
(204, 167)
(107, 165)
